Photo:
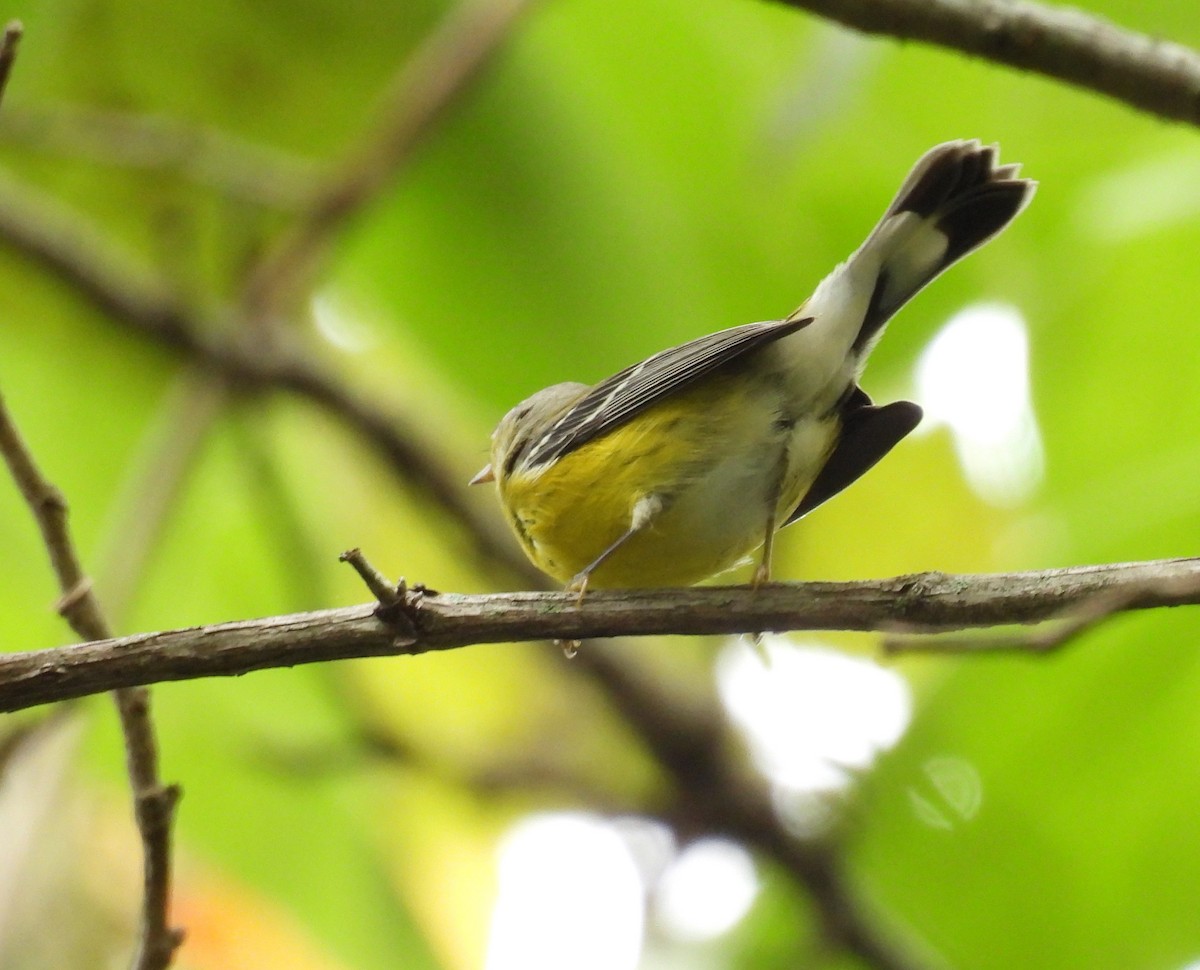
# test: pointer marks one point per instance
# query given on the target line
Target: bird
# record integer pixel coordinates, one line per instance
(677, 468)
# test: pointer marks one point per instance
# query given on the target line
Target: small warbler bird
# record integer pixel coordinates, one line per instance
(678, 467)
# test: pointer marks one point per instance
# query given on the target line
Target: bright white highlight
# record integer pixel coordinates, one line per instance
(974, 377)
(340, 327)
(570, 896)
(706, 891)
(812, 715)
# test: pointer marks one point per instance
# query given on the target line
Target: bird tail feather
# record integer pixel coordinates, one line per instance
(954, 200)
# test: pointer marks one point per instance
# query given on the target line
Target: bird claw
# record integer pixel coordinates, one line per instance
(579, 586)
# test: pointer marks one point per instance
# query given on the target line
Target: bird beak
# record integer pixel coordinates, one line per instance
(484, 475)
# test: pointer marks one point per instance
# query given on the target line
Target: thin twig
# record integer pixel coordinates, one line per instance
(445, 621)
(1080, 48)
(69, 247)
(154, 803)
(830, 892)
(271, 488)
(8, 51)
(547, 769)
(382, 588)
(428, 84)
(397, 440)
(237, 169)
(192, 406)
(93, 265)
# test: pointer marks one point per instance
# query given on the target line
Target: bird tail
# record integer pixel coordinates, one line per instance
(954, 200)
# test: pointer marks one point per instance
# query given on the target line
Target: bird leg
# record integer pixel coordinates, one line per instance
(762, 573)
(644, 511)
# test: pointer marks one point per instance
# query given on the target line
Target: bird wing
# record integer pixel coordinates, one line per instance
(619, 398)
(868, 433)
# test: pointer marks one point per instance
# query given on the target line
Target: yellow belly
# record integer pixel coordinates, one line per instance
(712, 455)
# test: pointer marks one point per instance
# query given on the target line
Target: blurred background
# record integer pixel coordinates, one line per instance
(621, 177)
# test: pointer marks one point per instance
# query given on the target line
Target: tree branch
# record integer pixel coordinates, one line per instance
(688, 737)
(259, 356)
(425, 621)
(928, 600)
(1082, 49)
(433, 79)
(1062, 630)
(8, 51)
(74, 251)
(188, 413)
(154, 803)
(237, 169)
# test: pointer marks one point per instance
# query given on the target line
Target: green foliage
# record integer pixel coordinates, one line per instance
(625, 177)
